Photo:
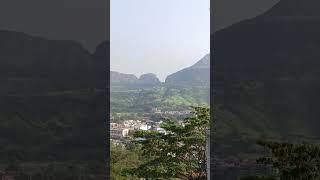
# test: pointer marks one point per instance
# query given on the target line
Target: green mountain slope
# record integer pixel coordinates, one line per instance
(144, 99)
(182, 89)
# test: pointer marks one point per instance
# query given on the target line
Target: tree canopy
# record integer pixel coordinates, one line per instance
(180, 152)
(294, 161)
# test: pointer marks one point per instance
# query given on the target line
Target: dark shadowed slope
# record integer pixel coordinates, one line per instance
(267, 72)
(295, 8)
(52, 103)
(56, 62)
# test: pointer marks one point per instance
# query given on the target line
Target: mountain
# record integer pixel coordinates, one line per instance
(49, 63)
(295, 8)
(52, 102)
(199, 73)
(266, 73)
(148, 79)
(121, 78)
(132, 94)
(196, 74)
(102, 64)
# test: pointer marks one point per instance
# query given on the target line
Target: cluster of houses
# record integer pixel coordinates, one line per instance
(119, 131)
(159, 111)
(123, 131)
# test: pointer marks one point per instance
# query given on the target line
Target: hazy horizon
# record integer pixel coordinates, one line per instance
(144, 39)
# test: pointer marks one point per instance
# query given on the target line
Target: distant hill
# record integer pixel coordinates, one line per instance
(196, 74)
(295, 8)
(149, 79)
(52, 100)
(122, 79)
(183, 89)
(266, 75)
(199, 73)
(48, 63)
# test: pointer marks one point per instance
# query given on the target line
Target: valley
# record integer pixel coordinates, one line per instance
(146, 101)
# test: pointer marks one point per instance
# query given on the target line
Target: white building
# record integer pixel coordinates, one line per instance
(161, 130)
(119, 133)
(145, 127)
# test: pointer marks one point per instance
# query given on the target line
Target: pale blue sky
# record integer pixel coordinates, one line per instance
(158, 36)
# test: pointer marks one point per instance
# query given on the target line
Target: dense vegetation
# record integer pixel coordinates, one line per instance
(291, 161)
(162, 96)
(122, 159)
(179, 153)
(294, 161)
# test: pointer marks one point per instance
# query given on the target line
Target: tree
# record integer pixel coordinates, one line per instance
(294, 161)
(122, 158)
(178, 153)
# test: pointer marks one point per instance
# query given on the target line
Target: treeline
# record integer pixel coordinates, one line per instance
(299, 161)
(143, 100)
(54, 170)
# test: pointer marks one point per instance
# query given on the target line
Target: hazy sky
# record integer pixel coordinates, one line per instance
(84, 21)
(158, 36)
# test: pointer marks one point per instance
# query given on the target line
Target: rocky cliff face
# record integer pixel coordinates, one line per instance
(121, 78)
(132, 80)
(149, 79)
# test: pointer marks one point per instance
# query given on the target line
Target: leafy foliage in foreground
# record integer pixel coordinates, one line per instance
(294, 161)
(179, 153)
(123, 158)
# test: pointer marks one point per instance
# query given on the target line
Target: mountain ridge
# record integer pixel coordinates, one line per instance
(294, 8)
(200, 69)
(131, 79)
(197, 73)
